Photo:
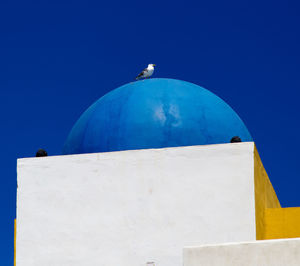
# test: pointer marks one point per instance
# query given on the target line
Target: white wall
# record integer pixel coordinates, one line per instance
(131, 207)
(283, 252)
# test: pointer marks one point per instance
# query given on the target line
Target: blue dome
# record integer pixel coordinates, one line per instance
(155, 113)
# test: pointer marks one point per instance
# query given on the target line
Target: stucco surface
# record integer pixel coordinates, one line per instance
(131, 207)
(259, 253)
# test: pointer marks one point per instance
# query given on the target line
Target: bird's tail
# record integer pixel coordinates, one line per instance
(139, 76)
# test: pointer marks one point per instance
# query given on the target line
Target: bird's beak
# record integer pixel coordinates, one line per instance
(153, 64)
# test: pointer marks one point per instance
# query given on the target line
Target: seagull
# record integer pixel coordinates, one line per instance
(147, 72)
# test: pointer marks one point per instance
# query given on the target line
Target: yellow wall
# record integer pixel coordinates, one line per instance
(282, 223)
(15, 226)
(272, 221)
(265, 196)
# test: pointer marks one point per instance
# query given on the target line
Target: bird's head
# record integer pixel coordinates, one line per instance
(151, 65)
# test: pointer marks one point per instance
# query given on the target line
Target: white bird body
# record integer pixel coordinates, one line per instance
(150, 71)
(147, 72)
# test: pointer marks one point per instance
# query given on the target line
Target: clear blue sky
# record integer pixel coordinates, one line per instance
(57, 58)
